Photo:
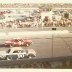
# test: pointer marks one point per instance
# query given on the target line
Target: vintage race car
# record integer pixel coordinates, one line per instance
(18, 42)
(17, 53)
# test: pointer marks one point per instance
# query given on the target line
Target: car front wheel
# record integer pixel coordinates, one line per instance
(9, 58)
(12, 57)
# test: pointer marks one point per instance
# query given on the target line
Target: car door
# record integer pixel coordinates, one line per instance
(19, 53)
(20, 42)
(12, 56)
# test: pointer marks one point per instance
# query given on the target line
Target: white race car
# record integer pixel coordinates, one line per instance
(17, 53)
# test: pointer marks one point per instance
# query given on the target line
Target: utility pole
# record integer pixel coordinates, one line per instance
(52, 44)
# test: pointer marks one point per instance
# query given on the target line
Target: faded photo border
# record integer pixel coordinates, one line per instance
(35, 1)
(35, 70)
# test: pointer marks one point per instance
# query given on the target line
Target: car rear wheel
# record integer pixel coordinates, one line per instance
(27, 44)
(31, 56)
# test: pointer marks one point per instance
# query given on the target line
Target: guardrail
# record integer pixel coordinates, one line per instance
(34, 29)
(26, 63)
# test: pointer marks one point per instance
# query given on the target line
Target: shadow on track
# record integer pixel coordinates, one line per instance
(2, 45)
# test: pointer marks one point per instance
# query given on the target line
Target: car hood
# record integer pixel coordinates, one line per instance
(7, 41)
(2, 52)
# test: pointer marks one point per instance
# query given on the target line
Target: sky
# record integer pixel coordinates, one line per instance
(35, 1)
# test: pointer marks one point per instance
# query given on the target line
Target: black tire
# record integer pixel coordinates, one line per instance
(25, 56)
(12, 57)
(31, 56)
(27, 45)
(6, 45)
(12, 45)
(9, 58)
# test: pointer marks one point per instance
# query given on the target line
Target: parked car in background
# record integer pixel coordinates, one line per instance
(18, 42)
(17, 53)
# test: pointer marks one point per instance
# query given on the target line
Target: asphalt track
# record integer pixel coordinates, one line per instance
(49, 44)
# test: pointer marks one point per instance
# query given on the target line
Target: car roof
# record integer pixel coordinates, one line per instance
(16, 48)
(16, 38)
(20, 48)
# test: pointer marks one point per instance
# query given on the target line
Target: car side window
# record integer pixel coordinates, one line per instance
(22, 51)
(16, 51)
(26, 51)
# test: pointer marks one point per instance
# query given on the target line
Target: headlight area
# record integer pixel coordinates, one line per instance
(2, 57)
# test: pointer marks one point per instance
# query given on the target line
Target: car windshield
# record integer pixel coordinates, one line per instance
(20, 40)
(16, 51)
(15, 40)
(8, 50)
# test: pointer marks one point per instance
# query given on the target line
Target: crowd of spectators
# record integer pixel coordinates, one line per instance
(61, 23)
(36, 23)
(28, 24)
(21, 23)
(16, 24)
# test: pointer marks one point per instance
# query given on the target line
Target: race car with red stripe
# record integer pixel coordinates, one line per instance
(18, 42)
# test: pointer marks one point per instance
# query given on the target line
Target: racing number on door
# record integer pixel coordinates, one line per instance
(19, 42)
(21, 55)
